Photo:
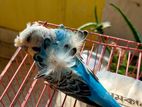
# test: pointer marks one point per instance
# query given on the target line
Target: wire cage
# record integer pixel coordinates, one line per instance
(18, 88)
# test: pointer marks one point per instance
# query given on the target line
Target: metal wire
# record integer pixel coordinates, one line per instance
(27, 87)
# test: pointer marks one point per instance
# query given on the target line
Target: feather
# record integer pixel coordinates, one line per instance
(59, 63)
(33, 36)
(65, 71)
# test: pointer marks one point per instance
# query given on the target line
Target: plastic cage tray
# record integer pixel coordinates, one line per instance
(18, 87)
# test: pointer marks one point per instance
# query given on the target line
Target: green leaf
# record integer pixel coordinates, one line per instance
(95, 14)
(136, 34)
(88, 25)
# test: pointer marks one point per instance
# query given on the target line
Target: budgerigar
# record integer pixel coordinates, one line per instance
(57, 57)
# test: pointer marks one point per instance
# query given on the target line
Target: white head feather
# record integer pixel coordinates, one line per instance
(33, 36)
(36, 33)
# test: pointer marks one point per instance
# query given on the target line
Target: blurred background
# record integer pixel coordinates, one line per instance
(15, 14)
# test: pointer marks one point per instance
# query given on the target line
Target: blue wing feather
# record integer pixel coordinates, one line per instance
(98, 93)
(77, 80)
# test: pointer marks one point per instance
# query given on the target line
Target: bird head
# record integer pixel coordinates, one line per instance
(32, 37)
(50, 47)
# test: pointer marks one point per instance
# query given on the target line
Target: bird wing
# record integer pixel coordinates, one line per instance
(71, 84)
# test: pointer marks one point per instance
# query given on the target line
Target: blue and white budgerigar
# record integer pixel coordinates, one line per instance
(59, 63)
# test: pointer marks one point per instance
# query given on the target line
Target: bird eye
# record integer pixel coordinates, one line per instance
(29, 38)
(66, 46)
(37, 49)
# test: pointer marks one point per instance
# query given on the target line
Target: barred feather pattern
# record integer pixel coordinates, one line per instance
(60, 57)
(61, 54)
(60, 75)
(61, 50)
